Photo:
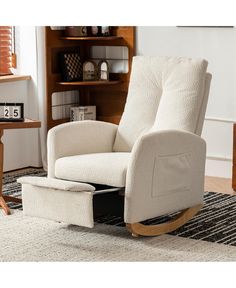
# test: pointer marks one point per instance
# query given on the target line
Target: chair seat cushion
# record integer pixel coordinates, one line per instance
(98, 168)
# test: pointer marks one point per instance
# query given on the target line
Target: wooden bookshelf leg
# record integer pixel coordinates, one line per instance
(2, 201)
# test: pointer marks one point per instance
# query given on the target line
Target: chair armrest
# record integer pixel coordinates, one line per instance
(165, 174)
(80, 137)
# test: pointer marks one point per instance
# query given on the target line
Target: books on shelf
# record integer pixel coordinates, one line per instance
(81, 113)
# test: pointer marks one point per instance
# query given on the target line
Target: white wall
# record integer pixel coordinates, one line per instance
(22, 146)
(218, 46)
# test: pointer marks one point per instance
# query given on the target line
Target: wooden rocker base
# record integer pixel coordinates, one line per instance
(155, 230)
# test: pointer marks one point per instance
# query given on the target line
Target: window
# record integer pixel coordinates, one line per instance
(6, 49)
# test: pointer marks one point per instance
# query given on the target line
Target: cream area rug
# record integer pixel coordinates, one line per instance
(24, 238)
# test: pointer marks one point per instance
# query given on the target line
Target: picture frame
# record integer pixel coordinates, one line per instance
(103, 70)
(11, 112)
(89, 71)
(71, 66)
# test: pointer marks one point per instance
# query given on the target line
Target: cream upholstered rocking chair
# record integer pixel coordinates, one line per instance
(155, 154)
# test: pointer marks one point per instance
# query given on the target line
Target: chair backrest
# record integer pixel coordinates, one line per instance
(164, 93)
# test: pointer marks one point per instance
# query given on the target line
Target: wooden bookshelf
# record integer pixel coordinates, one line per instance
(109, 97)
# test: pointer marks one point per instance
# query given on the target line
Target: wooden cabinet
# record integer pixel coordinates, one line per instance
(108, 96)
(234, 159)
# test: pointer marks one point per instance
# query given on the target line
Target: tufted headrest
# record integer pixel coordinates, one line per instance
(164, 93)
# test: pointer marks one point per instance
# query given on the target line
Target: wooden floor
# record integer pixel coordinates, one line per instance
(222, 185)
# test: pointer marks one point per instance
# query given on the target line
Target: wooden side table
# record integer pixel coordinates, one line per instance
(234, 160)
(28, 123)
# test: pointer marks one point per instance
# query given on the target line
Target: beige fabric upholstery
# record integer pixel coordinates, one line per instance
(164, 91)
(80, 137)
(56, 184)
(204, 105)
(59, 205)
(165, 174)
(100, 168)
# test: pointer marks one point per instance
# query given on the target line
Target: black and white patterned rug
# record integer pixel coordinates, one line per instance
(216, 222)
(12, 188)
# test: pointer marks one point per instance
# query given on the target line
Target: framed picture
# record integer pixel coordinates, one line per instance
(89, 71)
(103, 70)
(11, 112)
(71, 66)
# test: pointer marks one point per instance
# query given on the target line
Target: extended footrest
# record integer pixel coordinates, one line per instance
(64, 201)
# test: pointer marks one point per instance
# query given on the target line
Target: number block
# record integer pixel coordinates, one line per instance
(11, 112)
(16, 112)
(6, 111)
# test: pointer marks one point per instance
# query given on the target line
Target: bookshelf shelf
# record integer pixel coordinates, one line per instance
(90, 83)
(107, 38)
